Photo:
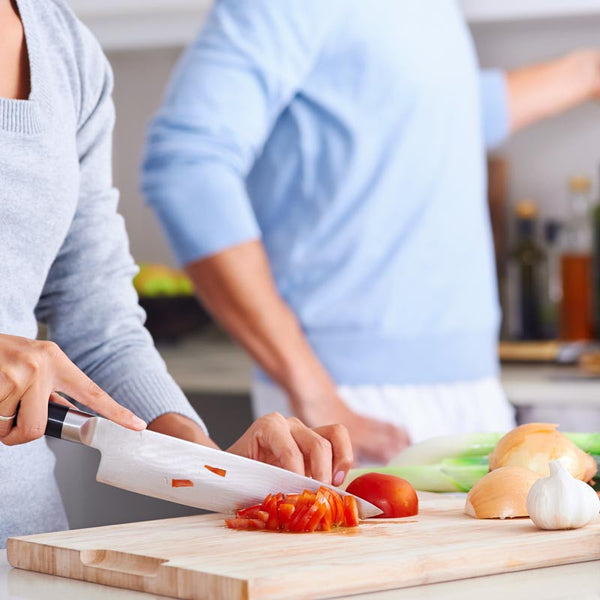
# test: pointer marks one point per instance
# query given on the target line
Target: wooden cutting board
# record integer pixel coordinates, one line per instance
(197, 557)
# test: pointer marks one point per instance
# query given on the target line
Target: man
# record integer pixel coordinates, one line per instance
(319, 168)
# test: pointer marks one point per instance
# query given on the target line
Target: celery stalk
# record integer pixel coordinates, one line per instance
(431, 478)
(455, 463)
(434, 450)
(588, 442)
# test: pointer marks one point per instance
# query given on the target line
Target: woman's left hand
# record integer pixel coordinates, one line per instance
(324, 453)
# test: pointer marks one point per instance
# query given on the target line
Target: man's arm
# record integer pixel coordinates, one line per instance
(237, 287)
(547, 89)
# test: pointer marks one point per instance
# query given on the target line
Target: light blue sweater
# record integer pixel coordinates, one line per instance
(64, 253)
(350, 136)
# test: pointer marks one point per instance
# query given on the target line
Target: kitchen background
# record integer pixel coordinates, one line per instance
(143, 39)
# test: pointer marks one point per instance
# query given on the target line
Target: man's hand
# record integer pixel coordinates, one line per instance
(31, 371)
(547, 89)
(588, 63)
(324, 453)
(372, 440)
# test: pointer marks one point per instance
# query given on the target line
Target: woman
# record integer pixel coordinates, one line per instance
(65, 262)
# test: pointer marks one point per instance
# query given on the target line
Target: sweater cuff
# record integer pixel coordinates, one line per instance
(203, 208)
(152, 395)
(494, 98)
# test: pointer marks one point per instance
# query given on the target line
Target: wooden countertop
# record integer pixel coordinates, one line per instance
(551, 583)
(211, 364)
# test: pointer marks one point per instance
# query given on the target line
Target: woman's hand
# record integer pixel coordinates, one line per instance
(324, 453)
(31, 371)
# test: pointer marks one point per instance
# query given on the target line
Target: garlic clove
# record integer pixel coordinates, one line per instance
(561, 501)
(501, 494)
(534, 445)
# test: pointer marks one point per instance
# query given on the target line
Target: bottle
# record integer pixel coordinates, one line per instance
(527, 264)
(552, 280)
(576, 314)
(596, 267)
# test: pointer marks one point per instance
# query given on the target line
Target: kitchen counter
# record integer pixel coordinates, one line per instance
(581, 580)
(211, 364)
(550, 386)
(208, 364)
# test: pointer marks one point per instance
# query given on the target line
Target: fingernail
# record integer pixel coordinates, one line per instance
(339, 477)
(138, 423)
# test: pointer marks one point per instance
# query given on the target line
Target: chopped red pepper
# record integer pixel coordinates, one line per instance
(319, 508)
(176, 483)
(284, 513)
(350, 511)
(251, 512)
(298, 513)
(240, 523)
(216, 470)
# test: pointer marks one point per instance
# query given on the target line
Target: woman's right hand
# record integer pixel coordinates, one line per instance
(31, 372)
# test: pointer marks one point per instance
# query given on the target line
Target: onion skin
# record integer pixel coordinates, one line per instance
(501, 494)
(534, 445)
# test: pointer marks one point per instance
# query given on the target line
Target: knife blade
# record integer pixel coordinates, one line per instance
(165, 467)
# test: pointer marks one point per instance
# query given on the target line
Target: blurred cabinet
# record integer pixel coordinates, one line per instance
(134, 24)
(511, 10)
(128, 24)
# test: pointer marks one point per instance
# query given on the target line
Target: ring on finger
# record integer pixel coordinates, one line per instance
(11, 418)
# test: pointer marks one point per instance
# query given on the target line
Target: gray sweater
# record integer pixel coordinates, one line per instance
(64, 255)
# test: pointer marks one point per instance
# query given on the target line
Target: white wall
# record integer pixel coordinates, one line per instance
(541, 158)
(545, 155)
(140, 78)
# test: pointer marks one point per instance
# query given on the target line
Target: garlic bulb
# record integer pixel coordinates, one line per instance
(501, 494)
(534, 445)
(560, 501)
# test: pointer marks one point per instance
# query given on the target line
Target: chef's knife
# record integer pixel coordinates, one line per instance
(165, 467)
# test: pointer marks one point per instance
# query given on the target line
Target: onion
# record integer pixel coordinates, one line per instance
(534, 445)
(501, 494)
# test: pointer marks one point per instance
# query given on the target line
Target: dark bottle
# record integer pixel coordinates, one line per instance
(552, 296)
(528, 260)
(596, 267)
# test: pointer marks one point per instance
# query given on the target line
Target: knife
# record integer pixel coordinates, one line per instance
(165, 467)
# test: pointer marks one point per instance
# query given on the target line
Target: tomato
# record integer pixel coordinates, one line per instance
(393, 495)
(298, 513)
